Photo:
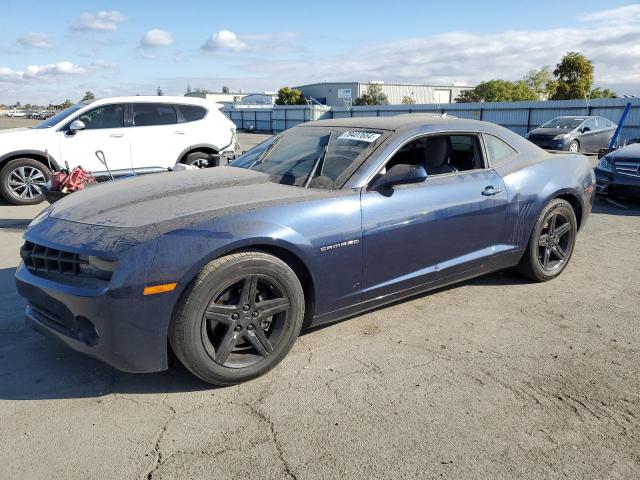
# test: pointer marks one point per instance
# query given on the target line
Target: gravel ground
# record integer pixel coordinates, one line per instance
(494, 378)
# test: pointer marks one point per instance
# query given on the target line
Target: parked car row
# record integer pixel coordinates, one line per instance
(137, 135)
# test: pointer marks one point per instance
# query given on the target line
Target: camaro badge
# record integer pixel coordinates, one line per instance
(347, 243)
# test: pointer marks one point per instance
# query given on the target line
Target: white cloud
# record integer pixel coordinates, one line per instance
(628, 13)
(467, 58)
(35, 40)
(41, 72)
(102, 65)
(224, 40)
(103, 21)
(156, 38)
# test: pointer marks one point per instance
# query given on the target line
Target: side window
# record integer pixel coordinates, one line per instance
(104, 116)
(149, 114)
(498, 150)
(441, 154)
(192, 113)
(589, 123)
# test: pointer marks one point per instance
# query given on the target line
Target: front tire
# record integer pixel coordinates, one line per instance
(574, 146)
(22, 181)
(551, 243)
(238, 318)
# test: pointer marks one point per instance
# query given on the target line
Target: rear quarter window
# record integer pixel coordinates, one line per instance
(192, 113)
(498, 150)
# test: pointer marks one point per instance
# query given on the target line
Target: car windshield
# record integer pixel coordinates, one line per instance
(564, 123)
(58, 117)
(313, 157)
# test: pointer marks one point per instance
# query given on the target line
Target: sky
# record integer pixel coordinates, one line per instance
(52, 51)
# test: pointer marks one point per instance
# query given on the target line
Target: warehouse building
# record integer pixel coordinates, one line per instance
(340, 94)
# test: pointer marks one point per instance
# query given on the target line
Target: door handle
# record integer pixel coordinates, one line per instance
(117, 135)
(179, 132)
(489, 191)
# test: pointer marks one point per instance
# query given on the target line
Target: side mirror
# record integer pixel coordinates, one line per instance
(400, 175)
(76, 125)
(586, 129)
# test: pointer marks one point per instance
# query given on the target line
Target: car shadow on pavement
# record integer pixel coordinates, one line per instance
(33, 367)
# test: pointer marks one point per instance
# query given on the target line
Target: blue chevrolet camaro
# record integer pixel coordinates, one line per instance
(225, 266)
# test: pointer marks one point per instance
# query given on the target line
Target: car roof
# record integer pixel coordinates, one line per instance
(403, 122)
(157, 99)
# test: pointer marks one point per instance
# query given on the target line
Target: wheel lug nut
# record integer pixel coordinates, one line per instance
(235, 316)
(245, 307)
(255, 314)
(237, 328)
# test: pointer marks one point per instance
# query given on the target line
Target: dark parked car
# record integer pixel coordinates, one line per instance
(321, 222)
(618, 172)
(574, 134)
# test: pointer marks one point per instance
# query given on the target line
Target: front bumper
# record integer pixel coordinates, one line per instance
(615, 184)
(561, 145)
(126, 331)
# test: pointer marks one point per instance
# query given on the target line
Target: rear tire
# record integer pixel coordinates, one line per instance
(238, 318)
(551, 243)
(22, 180)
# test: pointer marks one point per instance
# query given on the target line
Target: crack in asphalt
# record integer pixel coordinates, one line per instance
(274, 437)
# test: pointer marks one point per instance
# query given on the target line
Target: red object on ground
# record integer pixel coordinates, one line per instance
(70, 182)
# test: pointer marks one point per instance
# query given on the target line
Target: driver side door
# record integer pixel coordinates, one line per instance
(423, 233)
(104, 130)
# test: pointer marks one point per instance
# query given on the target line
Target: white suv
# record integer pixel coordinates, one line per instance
(136, 134)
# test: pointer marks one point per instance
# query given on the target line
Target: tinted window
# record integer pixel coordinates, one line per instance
(191, 113)
(147, 114)
(563, 123)
(104, 116)
(316, 157)
(498, 151)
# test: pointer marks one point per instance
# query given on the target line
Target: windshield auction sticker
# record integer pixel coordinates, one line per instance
(368, 137)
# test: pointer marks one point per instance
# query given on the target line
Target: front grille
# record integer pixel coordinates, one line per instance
(541, 138)
(44, 259)
(631, 169)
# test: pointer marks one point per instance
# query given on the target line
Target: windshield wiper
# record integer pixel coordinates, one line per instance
(318, 162)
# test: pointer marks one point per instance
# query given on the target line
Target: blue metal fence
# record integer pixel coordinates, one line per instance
(520, 117)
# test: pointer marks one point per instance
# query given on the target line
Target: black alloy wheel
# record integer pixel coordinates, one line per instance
(555, 241)
(238, 318)
(241, 326)
(551, 243)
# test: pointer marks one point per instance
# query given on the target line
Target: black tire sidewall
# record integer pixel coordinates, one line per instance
(10, 166)
(535, 268)
(192, 351)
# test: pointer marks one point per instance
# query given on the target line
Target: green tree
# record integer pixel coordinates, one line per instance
(290, 96)
(66, 104)
(188, 91)
(573, 77)
(468, 96)
(88, 96)
(407, 100)
(225, 89)
(374, 96)
(606, 93)
(538, 81)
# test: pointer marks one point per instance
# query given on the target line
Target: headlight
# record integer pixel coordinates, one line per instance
(603, 164)
(99, 267)
(561, 136)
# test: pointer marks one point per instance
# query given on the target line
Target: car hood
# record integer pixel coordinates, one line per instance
(176, 198)
(550, 131)
(626, 154)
